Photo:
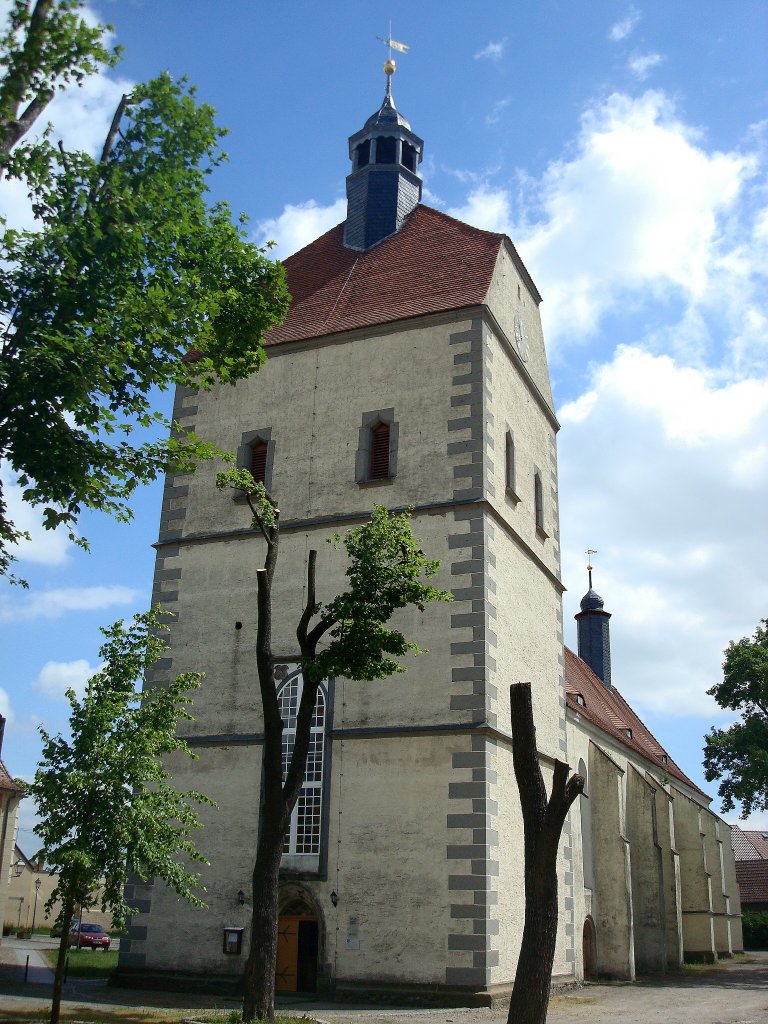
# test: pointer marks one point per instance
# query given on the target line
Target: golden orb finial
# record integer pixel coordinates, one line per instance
(389, 67)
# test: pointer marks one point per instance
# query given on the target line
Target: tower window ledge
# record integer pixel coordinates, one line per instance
(376, 481)
(512, 494)
(542, 533)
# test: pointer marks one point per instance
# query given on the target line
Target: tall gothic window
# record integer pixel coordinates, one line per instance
(303, 835)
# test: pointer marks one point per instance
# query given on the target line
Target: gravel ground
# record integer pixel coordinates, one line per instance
(733, 992)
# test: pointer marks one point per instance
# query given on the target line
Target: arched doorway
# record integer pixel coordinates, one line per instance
(589, 950)
(300, 935)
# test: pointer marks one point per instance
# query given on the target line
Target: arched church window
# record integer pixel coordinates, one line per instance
(386, 150)
(303, 835)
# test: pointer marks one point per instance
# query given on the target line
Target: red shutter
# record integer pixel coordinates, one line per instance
(380, 452)
(259, 461)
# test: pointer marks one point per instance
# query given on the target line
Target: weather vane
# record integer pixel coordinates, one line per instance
(589, 552)
(393, 44)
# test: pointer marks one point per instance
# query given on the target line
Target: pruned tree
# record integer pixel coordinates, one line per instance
(129, 270)
(738, 755)
(347, 636)
(543, 820)
(107, 810)
(46, 46)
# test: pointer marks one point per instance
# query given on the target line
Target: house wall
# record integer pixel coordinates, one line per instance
(9, 805)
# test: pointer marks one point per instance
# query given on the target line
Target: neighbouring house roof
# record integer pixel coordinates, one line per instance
(752, 876)
(6, 781)
(749, 844)
(435, 263)
(607, 710)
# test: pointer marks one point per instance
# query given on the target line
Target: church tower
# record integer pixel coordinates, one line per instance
(384, 186)
(410, 372)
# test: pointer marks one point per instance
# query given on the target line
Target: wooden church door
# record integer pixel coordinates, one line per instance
(297, 942)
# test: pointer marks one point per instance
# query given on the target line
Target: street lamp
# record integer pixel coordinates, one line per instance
(38, 883)
(18, 868)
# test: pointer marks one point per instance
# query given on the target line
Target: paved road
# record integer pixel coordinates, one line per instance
(730, 993)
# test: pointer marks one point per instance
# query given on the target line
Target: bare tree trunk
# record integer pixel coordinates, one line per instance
(58, 978)
(543, 821)
(279, 796)
(259, 999)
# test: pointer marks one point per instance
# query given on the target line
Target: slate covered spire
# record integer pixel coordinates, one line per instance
(594, 634)
(384, 185)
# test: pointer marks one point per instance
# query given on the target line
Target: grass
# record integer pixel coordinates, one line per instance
(87, 963)
(137, 1015)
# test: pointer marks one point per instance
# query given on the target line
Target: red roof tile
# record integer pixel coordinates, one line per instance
(6, 781)
(433, 264)
(752, 876)
(749, 844)
(608, 710)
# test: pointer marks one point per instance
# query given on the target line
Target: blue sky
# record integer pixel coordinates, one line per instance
(623, 148)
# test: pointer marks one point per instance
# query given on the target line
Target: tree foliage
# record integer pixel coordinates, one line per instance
(107, 810)
(738, 755)
(347, 636)
(130, 269)
(46, 47)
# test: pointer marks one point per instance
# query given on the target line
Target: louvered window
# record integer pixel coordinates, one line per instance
(258, 465)
(380, 452)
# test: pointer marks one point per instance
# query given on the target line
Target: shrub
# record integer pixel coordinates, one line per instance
(755, 924)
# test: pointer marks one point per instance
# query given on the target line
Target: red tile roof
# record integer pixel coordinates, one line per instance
(433, 264)
(6, 781)
(752, 876)
(608, 710)
(749, 844)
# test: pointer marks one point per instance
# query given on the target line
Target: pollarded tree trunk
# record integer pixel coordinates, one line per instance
(279, 795)
(543, 821)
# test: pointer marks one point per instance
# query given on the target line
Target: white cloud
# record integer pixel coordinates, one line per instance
(497, 110)
(52, 604)
(486, 208)
(663, 469)
(642, 63)
(623, 28)
(299, 225)
(56, 677)
(44, 547)
(639, 212)
(493, 51)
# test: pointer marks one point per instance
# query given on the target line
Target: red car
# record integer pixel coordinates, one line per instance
(92, 936)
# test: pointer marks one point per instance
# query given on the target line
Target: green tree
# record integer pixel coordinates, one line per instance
(387, 570)
(107, 811)
(46, 47)
(132, 282)
(738, 755)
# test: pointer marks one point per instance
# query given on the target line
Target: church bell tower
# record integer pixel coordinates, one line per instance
(384, 185)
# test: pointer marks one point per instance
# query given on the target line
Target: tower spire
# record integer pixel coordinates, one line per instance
(384, 185)
(589, 552)
(594, 631)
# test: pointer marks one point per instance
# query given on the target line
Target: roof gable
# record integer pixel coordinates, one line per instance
(433, 264)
